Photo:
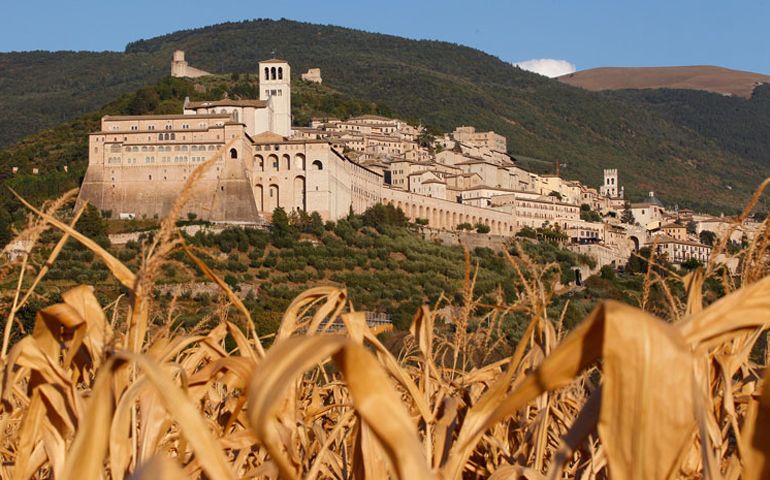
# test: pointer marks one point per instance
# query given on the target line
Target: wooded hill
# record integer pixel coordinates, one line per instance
(435, 83)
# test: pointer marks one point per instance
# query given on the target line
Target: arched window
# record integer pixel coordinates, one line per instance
(160, 136)
(233, 153)
(272, 73)
(235, 115)
(173, 136)
(318, 165)
(280, 73)
(267, 73)
(166, 137)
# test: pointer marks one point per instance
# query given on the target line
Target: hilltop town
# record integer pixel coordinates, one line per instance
(464, 180)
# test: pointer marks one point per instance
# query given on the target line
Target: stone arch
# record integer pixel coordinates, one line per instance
(634, 242)
(259, 163)
(299, 161)
(233, 153)
(280, 73)
(272, 73)
(258, 198)
(287, 161)
(272, 162)
(267, 73)
(299, 193)
(273, 198)
(422, 211)
(318, 165)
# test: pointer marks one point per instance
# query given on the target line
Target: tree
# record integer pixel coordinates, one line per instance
(481, 228)
(707, 237)
(526, 232)
(691, 264)
(628, 215)
(692, 227)
(555, 194)
(280, 232)
(316, 225)
(380, 216)
(5, 228)
(91, 223)
(191, 216)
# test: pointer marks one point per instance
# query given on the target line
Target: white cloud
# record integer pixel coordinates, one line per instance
(547, 66)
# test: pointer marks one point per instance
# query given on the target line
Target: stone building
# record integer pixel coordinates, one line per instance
(180, 68)
(138, 165)
(312, 75)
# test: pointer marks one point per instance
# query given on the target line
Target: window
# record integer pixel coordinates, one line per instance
(280, 73)
(168, 127)
(185, 126)
(233, 153)
(173, 136)
(134, 127)
(151, 127)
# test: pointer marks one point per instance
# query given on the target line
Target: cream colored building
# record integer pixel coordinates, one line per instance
(490, 140)
(679, 251)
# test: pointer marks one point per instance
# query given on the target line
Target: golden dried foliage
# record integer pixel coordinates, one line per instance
(626, 395)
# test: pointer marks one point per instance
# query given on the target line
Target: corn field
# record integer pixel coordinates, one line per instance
(625, 395)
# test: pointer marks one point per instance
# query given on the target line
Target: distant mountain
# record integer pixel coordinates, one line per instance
(435, 83)
(698, 77)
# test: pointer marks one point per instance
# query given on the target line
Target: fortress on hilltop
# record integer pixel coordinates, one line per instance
(138, 165)
(180, 68)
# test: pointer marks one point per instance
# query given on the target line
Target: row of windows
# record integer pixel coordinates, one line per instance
(134, 128)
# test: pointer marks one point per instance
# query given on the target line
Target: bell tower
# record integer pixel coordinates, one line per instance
(275, 89)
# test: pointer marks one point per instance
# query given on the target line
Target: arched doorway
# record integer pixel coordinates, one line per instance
(634, 242)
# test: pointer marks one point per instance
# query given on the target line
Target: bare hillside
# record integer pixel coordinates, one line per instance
(698, 77)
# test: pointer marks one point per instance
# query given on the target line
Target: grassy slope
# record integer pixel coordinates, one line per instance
(448, 85)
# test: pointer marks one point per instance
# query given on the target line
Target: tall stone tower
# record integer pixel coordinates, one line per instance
(275, 89)
(611, 188)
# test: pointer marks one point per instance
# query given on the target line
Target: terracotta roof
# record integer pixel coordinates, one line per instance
(273, 60)
(165, 117)
(268, 137)
(228, 102)
(371, 117)
(673, 225)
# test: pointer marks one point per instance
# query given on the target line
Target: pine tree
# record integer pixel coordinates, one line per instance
(628, 215)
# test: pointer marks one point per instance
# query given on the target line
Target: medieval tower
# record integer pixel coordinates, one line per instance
(275, 89)
(611, 188)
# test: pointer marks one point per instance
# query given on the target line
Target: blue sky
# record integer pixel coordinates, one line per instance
(586, 33)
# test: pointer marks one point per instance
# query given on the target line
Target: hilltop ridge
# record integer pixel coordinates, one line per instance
(697, 77)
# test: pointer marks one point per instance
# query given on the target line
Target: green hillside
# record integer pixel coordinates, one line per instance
(738, 125)
(435, 83)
